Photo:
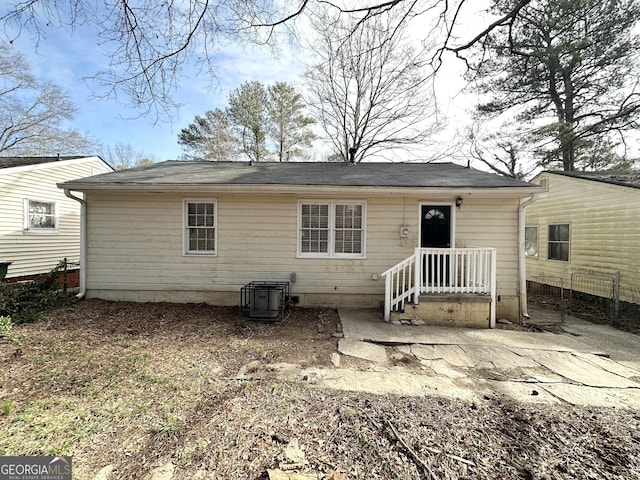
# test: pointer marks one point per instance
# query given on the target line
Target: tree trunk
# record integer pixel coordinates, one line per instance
(567, 137)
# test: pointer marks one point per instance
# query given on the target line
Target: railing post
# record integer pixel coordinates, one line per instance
(476, 267)
(387, 297)
(494, 263)
(616, 297)
(417, 279)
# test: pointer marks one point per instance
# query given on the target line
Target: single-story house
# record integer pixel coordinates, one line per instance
(39, 225)
(586, 223)
(338, 233)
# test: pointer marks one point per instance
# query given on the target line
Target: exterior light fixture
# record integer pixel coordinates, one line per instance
(459, 201)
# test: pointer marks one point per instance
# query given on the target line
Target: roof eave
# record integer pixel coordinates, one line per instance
(305, 189)
(54, 164)
(616, 183)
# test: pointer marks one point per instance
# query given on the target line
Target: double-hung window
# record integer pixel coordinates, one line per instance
(200, 227)
(558, 242)
(331, 229)
(40, 216)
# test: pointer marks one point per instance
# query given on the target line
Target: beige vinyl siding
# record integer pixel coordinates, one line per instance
(135, 244)
(34, 253)
(604, 233)
(491, 223)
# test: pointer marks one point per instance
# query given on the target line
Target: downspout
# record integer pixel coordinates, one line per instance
(522, 273)
(83, 244)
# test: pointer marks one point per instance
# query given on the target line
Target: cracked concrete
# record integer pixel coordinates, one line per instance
(364, 350)
(571, 367)
(500, 356)
(466, 363)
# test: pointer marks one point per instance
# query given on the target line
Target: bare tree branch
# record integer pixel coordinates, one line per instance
(33, 114)
(368, 89)
(150, 42)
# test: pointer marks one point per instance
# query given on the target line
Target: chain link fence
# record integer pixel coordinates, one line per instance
(595, 295)
(590, 295)
(546, 294)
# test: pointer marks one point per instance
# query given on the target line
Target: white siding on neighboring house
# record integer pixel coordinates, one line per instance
(38, 251)
(604, 230)
(135, 246)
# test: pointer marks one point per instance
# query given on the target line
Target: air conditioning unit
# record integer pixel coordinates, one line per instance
(264, 300)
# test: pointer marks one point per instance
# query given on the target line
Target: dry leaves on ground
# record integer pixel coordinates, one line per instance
(138, 385)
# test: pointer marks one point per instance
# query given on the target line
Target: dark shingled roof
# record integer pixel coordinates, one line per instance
(625, 179)
(9, 162)
(445, 175)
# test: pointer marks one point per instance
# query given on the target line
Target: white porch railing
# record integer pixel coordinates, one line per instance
(441, 271)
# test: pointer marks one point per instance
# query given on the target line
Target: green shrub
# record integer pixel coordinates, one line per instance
(24, 302)
(6, 407)
(5, 326)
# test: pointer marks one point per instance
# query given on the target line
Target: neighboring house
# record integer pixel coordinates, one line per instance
(587, 223)
(199, 231)
(39, 225)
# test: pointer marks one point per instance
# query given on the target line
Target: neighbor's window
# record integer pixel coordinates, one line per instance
(558, 246)
(39, 216)
(331, 229)
(531, 241)
(200, 227)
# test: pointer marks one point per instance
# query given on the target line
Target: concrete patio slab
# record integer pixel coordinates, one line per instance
(424, 352)
(363, 350)
(573, 368)
(623, 347)
(501, 357)
(389, 382)
(452, 354)
(369, 326)
(443, 368)
(541, 375)
(527, 366)
(610, 366)
(593, 396)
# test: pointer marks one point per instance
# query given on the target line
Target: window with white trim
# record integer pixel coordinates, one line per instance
(558, 242)
(40, 216)
(331, 229)
(200, 225)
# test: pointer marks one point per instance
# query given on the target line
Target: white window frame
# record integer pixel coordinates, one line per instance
(27, 228)
(185, 227)
(568, 242)
(331, 253)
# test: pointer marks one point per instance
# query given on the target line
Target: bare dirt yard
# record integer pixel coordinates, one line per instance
(126, 388)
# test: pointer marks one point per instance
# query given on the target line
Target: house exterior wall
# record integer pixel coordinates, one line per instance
(135, 251)
(494, 223)
(604, 231)
(36, 253)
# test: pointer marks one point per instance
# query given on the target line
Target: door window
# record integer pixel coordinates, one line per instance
(436, 226)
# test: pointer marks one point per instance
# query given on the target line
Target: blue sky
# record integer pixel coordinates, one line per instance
(69, 58)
